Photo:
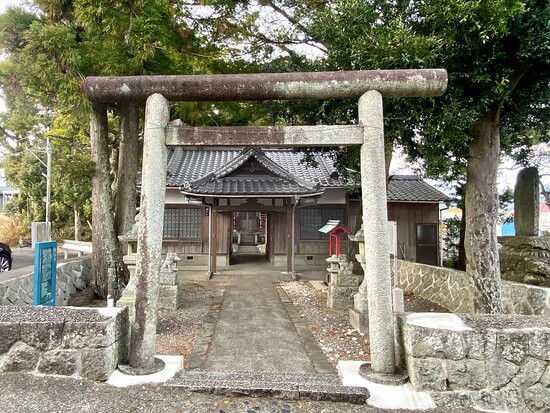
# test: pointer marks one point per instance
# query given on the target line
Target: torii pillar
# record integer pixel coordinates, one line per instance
(369, 86)
(149, 240)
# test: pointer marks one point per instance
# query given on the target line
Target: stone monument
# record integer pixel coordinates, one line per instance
(525, 258)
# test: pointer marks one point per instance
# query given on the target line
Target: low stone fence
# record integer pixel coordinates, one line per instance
(489, 362)
(67, 341)
(16, 286)
(450, 289)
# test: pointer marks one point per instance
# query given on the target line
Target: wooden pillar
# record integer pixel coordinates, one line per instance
(289, 245)
(214, 236)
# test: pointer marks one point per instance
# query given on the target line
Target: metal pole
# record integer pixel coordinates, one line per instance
(209, 240)
(48, 182)
(296, 200)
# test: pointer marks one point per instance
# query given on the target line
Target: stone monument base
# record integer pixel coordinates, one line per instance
(169, 296)
(398, 300)
(128, 299)
(525, 259)
(359, 320)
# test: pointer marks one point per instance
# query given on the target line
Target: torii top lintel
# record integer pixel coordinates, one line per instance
(267, 86)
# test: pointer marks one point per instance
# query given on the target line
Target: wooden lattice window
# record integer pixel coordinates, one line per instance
(311, 219)
(182, 223)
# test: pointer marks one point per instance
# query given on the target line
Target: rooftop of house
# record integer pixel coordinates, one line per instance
(276, 172)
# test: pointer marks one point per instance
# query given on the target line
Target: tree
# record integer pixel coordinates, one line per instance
(48, 53)
(497, 54)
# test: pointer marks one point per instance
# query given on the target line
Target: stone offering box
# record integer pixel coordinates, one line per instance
(489, 362)
(66, 341)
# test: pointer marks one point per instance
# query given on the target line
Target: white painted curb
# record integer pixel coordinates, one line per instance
(383, 396)
(173, 365)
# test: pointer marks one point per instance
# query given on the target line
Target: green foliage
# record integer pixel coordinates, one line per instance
(451, 241)
(48, 54)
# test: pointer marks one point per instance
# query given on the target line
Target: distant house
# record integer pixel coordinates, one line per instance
(6, 192)
(268, 195)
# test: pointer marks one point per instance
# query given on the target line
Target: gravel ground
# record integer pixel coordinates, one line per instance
(419, 305)
(36, 394)
(178, 329)
(331, 327)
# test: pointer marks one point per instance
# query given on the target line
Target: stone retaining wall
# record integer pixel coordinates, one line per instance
(483, 361)
(16, 286)
(450, 289)
(66, 341)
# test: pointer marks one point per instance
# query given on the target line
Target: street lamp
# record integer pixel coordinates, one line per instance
(47, 175)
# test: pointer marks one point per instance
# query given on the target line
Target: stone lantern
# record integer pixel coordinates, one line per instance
(360, 239)
(359, 315)
(128, 298)
(169, 296)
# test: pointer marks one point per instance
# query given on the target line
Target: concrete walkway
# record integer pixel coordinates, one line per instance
(253, 331)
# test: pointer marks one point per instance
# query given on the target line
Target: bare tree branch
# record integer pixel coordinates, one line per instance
(312, 39)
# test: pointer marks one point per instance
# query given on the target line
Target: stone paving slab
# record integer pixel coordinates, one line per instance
(254, 332)
(289, 386)
(33, 394)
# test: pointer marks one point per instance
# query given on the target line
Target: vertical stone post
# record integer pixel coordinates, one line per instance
(375, 218)
(149, 240)
(526, 202)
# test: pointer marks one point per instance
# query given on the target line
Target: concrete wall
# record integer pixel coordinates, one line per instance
(66, 341)
(483, 361)
(449, 288)
(16, 286)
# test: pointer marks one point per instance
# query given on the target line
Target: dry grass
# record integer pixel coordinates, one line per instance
(11, 230)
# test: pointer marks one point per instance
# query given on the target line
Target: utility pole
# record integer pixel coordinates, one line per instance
(48, 177)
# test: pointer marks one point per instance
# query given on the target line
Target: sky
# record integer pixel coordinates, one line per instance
(507, 172)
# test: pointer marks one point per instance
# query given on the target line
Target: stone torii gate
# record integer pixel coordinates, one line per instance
(368, 86)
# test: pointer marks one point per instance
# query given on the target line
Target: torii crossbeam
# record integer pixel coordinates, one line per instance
(369, 86)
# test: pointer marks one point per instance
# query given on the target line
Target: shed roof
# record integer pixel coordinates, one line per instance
(412, 188)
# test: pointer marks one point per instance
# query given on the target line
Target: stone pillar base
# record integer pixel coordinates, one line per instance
(396, 379)
(169, 297)
(359, 320)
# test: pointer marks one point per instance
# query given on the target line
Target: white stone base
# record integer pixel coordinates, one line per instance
(382, 396)
(174, 364)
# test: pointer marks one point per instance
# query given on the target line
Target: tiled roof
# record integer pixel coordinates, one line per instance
(411, 188)
(261, 185)
(208, 171)
(251, 172)
(185, 165)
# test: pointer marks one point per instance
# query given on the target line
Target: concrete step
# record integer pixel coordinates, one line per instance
(289, 386)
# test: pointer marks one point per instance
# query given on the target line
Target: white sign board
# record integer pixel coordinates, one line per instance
(392, 237)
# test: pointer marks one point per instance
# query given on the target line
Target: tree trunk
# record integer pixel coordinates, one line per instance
(482, 260)
(106, 252)
(388, 154)
(461, 249)
(128, 153)
(77, 226)
(461, 190)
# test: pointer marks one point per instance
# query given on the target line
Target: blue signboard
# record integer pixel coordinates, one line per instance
(45, 263)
